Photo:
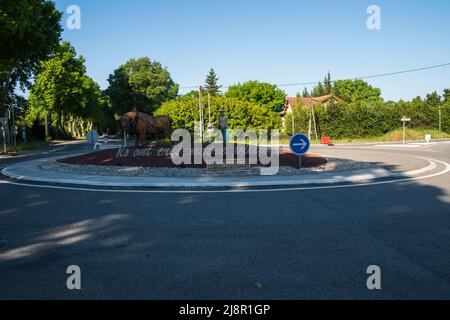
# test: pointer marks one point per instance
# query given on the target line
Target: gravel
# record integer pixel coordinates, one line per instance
(333, 165)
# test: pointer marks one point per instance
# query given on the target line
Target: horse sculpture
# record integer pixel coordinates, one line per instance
(145, 124)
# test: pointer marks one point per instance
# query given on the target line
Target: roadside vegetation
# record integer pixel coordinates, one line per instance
(65, 103)
(21, 147)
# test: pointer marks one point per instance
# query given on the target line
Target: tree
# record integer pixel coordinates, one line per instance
(356, 91)
(244, 115)
(446, 95)
(305, 93)
(433, 99)
(265, 94)
(328, 85)
(29, 31)
(192, 94)
(318, 90)
(140, 84)
(63, 89)
(211, 83)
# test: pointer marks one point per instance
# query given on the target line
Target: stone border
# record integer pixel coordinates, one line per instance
(31, 171)
(333, 165)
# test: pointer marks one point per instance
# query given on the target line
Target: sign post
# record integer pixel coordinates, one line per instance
(404, 121)
(300, 145)
(4, 139)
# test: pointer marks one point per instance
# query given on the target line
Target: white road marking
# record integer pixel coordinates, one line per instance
(443, 172)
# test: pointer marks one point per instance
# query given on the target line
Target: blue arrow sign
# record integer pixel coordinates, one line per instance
(300, 144)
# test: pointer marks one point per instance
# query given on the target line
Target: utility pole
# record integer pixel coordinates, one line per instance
(440, 118)
(293, 123)
(4, 137)
(210, 126)
(209, 108)
(201, 112)
(14, 125)
(312, 121)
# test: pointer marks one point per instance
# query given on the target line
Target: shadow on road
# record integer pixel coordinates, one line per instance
(268, 245)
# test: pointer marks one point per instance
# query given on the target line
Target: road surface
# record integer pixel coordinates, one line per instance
(298, 244)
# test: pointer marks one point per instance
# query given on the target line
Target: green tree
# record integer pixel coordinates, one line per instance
(433, 99)
(211, 83)
(29, 31)
(63, 89)
(318, 90)
(265, 94)
(184, 112)
(305, 93)
(140, 84)
(328, 85)
(446, 95)
(192, 94)
(356, 91)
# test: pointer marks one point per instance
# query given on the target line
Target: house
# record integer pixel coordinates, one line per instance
(292, 102)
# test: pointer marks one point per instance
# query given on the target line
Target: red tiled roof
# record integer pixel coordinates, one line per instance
(293, 100)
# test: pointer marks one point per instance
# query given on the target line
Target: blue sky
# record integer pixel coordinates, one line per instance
(282, 41)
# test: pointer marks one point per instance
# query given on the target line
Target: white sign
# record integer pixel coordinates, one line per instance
(406, 119)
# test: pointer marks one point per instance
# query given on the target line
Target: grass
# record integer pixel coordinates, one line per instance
(24, 146)
(393, 136)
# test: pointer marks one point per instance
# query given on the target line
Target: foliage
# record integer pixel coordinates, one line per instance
(140, 84)
(29, 31)
(63, 89)
(362, 119)
(184, 112)
(211, 83)
(264, 94)
(433, 99)
(354, 91)
(446, 95)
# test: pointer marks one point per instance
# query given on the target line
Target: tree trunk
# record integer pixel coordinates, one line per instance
(48, 119)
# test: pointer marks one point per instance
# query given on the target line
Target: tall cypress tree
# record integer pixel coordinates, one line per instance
(211, 83)
(327, 84)
(305, 93)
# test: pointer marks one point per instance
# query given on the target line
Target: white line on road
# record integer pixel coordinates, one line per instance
(445, 171)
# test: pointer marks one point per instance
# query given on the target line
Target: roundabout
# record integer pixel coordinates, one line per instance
(109, 172)
(297, 237)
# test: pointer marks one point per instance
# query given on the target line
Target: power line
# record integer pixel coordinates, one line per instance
(355, 78)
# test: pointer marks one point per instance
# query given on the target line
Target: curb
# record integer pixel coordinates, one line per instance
(31, 172)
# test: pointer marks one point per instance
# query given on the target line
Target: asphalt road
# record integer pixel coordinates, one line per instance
(307, 244)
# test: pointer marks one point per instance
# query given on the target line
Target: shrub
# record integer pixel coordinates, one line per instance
(184, 112)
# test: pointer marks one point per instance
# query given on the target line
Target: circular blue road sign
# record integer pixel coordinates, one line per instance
(300, 144)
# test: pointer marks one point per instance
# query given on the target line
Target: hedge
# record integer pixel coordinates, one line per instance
(184, 111)
(362, 120)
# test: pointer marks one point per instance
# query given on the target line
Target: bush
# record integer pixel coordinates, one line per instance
(184, 112)
(364, 120)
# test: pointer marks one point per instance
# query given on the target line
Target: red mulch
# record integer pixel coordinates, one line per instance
(154, 160)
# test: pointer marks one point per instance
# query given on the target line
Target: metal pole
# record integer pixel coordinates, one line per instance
(4, 138)
(404, 132)
(293, 123)
(310, 118)
(201, 113)
(209, 108)
(209, 119)
(14, 126)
